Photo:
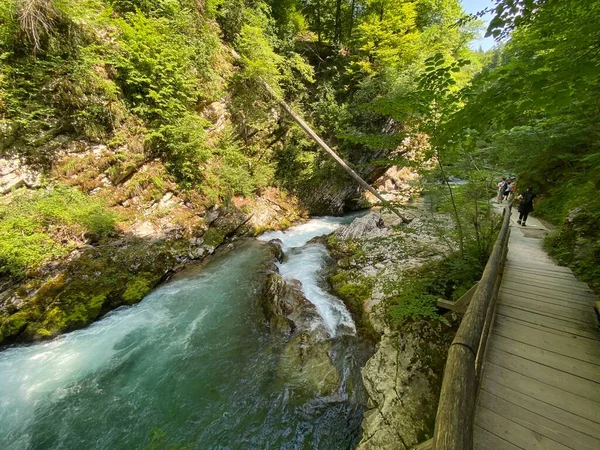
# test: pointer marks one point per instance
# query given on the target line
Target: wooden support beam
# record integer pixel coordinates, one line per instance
(427, 445)
(460, 305)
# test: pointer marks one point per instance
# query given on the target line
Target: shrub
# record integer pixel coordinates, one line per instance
(419, 290)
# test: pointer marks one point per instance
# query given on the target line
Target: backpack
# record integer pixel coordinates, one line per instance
(527, 197)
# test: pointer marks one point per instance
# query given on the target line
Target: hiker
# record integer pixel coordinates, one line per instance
(513, 188)
(501, 186)
(525, 205)
(506, 192)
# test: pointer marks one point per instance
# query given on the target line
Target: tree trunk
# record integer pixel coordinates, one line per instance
(351, 27)
(319, 21)
(338, 22)
(327, 149)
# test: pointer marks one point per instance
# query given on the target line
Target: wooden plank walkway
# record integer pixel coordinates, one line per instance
(540, 386)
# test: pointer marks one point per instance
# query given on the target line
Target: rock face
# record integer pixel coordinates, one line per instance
(577, 244)
(338, 193)
(14, 175)
(403, 380)
(403, 377)
(397, 184)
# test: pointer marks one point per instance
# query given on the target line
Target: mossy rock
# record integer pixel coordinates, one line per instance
(14, 324)
(214, 237)
(137, 288)
(355, 290)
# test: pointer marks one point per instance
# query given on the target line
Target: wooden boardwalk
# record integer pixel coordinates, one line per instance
(540, 387)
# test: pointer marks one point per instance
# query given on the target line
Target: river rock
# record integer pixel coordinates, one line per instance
(365, 227)
(306, 365)
(276, 246)
(403, 380)
(286, 308)
(305, 362)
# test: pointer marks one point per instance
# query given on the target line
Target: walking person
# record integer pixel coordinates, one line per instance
(525, 205)
(501, 186)
(506, 192)
(513, 188)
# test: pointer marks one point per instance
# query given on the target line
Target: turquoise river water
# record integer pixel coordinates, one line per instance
(191, 366)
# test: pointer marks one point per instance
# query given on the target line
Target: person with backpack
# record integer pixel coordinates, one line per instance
(513, 188)
(501, 187)
(506, 192)
(525, 205)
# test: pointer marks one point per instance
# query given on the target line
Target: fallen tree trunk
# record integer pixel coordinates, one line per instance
(315, 137)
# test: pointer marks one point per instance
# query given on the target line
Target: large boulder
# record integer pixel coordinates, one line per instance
(365, 227)
(305, 363)
(307, 367)
(286, 308)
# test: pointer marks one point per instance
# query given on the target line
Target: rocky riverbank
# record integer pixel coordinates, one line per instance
(153, 229)
(375, 256)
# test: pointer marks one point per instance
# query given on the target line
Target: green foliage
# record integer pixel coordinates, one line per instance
(413, 305)
(414, 298)
(534, 112)
(184, 141)
(577, 244)
(45, 224)
(232, 172)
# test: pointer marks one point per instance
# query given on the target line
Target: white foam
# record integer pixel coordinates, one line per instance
(300, 234)
(306, 263)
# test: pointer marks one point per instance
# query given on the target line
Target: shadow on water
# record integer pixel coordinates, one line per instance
(192, 364)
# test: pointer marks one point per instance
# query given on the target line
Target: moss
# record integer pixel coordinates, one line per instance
(137, 288)
(99, 280)
(15, 324)
(214, 237)
(284, 224)
(355, 290)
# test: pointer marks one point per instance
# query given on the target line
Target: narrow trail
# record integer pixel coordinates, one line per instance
(541, 381)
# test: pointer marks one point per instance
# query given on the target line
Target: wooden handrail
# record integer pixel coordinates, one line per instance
(460, 386)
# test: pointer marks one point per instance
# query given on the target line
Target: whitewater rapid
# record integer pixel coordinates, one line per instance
(306, 263)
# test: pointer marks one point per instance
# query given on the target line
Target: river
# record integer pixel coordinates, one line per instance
(192, 365)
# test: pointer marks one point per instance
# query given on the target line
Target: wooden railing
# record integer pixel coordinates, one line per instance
(460, 386)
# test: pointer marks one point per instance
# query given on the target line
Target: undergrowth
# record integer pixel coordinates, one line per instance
(415, 297)
(36, 226)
